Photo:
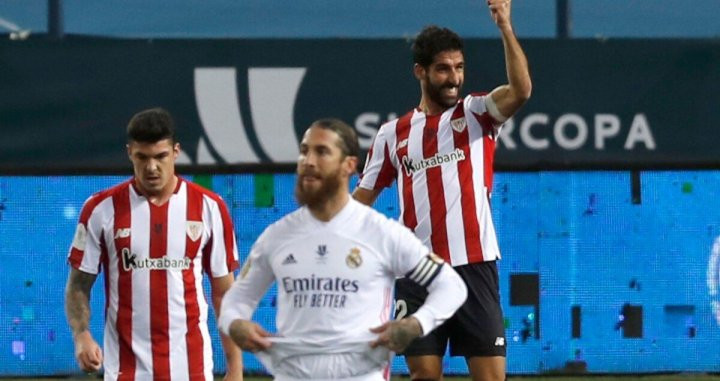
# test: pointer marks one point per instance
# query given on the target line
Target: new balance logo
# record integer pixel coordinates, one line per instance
(499, 341)
(289, 260)
(122, 233)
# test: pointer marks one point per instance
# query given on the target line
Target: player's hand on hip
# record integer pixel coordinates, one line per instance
(249, 335)
(87, 352)
(500, 11)
(396, 335)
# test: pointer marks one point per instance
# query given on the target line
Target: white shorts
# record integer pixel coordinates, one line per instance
(372, 376)
(352, 360)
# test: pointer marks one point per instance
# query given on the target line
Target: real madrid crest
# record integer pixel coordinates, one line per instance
(354, 260)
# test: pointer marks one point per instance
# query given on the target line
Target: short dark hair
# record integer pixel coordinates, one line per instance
(433, 40)
(348, 138)
(151, 126)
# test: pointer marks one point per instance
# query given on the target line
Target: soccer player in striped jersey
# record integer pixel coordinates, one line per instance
(441, 155)
(335, 262)
(153, 236)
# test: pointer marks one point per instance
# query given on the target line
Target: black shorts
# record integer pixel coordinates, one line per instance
(476, 329)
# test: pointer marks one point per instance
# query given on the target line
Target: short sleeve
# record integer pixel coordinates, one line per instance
(256, 276)
(221, 254)
(407, 249)
(379, 171)
(478, 103)
(86, 248)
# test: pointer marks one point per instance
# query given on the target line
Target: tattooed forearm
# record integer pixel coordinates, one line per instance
(403, 332)
(77, 300)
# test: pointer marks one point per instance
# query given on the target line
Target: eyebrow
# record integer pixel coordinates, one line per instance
(142, 154)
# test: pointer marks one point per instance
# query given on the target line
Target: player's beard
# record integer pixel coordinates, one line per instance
(434, 92)
(330, 184)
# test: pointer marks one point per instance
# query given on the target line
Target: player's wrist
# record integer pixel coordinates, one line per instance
(413, 326)
(506, 28)
(81, 335)
(233, 371)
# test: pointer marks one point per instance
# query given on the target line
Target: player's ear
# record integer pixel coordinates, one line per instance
(176, 150)
(418, 71)
(350, 164)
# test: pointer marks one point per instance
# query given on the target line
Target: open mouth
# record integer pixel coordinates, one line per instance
(450, 91)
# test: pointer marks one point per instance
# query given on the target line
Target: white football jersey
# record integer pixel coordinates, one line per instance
(339, 267)
(335, 282)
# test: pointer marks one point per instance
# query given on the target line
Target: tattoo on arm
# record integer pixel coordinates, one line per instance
(77, 300)
(405, 331)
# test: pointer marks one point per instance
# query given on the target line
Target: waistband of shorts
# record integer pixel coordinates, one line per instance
(375, 375)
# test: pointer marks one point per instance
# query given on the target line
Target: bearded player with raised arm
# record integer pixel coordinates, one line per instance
(441, 155)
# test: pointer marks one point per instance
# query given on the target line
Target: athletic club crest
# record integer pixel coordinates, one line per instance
(354, 260)
(459, 124)
(194, 230)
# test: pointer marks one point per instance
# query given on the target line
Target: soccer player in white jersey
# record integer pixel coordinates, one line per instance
(335, 262)
(153, 236)
(441, 155)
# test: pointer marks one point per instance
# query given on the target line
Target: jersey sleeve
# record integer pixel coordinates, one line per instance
(446, 293)
(86, 248)
(484, 109)
(256, 276)
(379, 171)
(221, 251)
(407, 251)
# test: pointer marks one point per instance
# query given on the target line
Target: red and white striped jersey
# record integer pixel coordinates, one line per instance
(444, 170)
(153, 258)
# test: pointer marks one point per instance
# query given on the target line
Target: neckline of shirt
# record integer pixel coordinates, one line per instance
(133, 187)
(343, 215)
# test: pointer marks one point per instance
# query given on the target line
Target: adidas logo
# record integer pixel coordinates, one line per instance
(290, 259)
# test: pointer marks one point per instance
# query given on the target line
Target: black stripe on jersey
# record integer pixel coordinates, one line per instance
(425, 271)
